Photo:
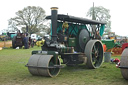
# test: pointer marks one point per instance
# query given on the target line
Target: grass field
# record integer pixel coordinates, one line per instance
(14, 72)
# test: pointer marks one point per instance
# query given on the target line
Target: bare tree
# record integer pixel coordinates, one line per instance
(101, 14)
(30, 17)
(12, 25)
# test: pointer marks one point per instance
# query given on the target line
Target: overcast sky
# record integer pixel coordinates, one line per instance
(118, 10)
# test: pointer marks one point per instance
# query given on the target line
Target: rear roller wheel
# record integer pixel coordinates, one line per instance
(124, 63)
(94, 53)
(43, 65)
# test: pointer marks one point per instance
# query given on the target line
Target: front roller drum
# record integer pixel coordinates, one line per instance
(124, 64)
(94, 53)
(44, 65)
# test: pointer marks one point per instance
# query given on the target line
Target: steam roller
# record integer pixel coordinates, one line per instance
(73, 40)
(124, 64)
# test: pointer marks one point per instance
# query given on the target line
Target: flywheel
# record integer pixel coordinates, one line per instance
(84, 37)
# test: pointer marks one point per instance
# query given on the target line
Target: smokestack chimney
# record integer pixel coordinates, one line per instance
(54, 23)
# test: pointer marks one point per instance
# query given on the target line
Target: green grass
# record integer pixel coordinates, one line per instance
(14, 72)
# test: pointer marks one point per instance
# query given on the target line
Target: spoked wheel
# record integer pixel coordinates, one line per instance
(94, 53)
(124, 64)
(44, 65)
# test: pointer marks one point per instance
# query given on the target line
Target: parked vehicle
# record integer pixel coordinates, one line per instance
(34, 36)
(21, 39)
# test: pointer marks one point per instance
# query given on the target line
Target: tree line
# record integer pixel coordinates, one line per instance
(33, 19)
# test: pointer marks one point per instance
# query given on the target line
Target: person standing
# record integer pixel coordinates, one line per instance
(98, 35)
(26, 41)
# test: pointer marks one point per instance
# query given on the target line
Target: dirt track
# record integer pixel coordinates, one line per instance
(6, 44)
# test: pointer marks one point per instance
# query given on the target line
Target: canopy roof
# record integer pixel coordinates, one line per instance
(69, 18)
